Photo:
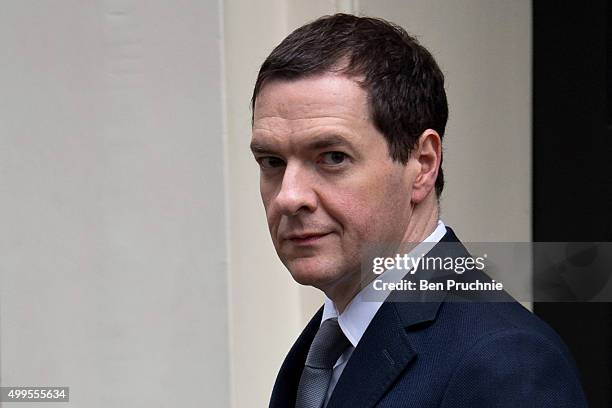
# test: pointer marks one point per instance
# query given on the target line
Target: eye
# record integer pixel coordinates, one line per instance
(270, 162)
(334, 158)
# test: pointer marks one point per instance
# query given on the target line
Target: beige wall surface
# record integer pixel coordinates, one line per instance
(113, 245)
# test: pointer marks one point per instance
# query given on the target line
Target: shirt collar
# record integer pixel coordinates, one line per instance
(359, 313)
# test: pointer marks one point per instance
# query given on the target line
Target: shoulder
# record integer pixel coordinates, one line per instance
(474, 321)
(502, 351)
(464, 327)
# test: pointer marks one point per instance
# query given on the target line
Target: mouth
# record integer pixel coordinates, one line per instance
(306, 239)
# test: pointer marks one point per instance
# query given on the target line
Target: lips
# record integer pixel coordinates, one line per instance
(306, 238)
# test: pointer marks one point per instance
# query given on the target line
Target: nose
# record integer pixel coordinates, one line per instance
(296, 191)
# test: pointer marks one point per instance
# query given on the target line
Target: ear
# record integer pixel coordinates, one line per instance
(427, 156)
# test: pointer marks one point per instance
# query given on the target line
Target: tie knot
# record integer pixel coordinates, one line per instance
(328, 344)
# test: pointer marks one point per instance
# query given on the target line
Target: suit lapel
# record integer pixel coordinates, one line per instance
(382, 354)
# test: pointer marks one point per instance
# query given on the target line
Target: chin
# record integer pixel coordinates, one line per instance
(312, 272)
(318, 273)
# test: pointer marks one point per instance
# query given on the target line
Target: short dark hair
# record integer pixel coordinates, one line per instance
(405, 85)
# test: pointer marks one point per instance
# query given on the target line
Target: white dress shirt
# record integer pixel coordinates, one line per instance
(358, 314)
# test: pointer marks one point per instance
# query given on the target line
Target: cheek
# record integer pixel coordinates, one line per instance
(380, 210)
(360, 212)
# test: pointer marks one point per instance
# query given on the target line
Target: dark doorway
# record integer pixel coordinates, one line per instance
(572, 156)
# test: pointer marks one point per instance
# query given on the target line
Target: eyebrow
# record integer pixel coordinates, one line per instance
(318, 143)
(260, 148)
(324, 142)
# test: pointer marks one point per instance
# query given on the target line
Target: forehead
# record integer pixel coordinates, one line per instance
(324, 99)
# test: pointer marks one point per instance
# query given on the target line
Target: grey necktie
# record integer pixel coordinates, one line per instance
(328, 344)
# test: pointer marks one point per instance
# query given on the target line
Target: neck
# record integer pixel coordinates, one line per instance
(423, 222)
(343, 293)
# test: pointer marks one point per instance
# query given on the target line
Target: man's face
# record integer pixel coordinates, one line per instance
(327, 181)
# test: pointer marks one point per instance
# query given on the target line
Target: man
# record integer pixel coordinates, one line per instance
(348, 120)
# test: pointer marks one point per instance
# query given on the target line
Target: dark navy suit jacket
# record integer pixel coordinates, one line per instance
(446, 353)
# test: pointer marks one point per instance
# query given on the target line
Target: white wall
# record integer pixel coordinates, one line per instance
(113, 245)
